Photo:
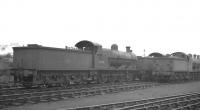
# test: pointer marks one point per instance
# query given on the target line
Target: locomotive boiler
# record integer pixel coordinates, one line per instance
(87, 63)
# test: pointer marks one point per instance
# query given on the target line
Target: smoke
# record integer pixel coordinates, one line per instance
(3, 47)
(7, 48)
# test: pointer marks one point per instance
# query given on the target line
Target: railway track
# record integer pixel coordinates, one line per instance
(64, 94)
(189, 101)
(21, 90)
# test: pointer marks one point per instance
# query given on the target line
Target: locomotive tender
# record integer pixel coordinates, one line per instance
(90, 63)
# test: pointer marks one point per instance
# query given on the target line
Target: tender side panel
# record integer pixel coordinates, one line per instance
(25, 58)
(180, 65)
(63, 60)
(162, 65)
(144, 64)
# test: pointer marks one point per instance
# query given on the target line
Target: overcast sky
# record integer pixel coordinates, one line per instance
(162, 26)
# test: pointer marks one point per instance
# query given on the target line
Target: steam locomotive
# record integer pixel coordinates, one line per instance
(173, 67)
(89, 63)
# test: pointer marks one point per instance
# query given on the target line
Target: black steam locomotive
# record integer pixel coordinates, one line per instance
(90, 63)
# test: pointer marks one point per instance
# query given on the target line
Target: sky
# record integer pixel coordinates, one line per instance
(164, 26)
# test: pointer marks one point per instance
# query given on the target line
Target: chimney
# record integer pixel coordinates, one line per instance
(114, 47)
(190, 55)
(194, 56)
(128, 49)
(198, 56)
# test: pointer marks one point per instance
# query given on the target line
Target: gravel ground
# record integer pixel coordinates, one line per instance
(165, 90)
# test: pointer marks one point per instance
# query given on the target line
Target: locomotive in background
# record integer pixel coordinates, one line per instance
(170, 68)
(90, 63)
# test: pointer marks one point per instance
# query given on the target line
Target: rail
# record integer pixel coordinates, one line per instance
(46, 96)
(175, 102)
